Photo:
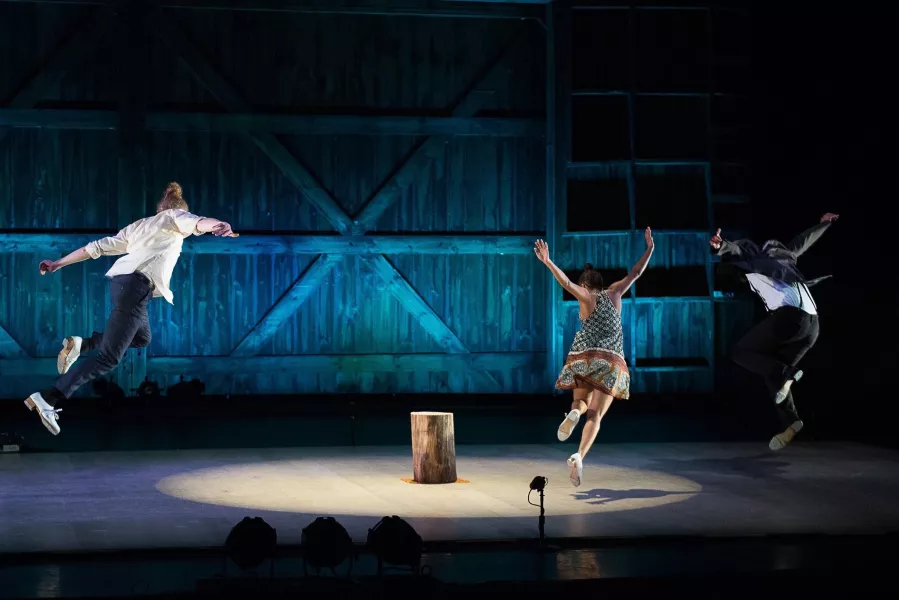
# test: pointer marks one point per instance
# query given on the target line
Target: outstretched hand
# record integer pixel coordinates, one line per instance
(542, 251)
(716, 240)
(48, 266)
(647, 235)
(224, 230)
(829, 218)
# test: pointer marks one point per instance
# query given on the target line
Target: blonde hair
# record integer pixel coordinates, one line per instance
(172, 199)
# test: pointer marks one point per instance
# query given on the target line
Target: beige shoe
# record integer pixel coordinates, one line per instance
(785, 388)
(71, 350)
(780, 441)
(568, 425)
(575, 469)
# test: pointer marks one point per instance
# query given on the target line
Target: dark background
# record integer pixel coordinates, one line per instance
(825, 123)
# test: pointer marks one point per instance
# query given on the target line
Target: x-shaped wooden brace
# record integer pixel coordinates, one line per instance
(69, 53)
(309, 281)
(66, 56)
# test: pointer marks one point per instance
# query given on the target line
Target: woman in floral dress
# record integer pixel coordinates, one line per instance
(595, 368)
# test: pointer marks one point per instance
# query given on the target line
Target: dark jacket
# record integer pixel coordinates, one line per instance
(777, 261)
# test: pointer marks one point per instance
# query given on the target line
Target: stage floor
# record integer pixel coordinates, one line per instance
(190, 499)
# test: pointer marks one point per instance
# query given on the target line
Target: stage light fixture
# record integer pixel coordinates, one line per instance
(395, 542)
(148, 390)
(186, 389)
(251, 542)
(326, 544)
(539, 483)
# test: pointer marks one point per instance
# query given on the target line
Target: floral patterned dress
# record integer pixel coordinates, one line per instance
(596, 358)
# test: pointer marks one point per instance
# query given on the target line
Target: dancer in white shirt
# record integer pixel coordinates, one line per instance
(151, 247)
(774, 347)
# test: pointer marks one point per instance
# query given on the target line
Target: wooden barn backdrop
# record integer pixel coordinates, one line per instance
(389, 165)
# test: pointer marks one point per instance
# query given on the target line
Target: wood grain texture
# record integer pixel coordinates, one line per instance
(233, 101)
(320, 198)
(67, 56)
(430, 150)
(433, 448)
(10, 348)
(341, 62)
(287, 305)
(350, 98)
(674, 330)
(354, 125)
(480, 244)
(59, 178)
(342, 363)
(424, 315)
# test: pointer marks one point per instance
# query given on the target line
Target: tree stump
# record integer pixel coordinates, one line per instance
(433, 447)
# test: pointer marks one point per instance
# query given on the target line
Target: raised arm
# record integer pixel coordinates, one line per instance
(620, 288)
(736, 250)
(542, 252)
(187, 224)
(805, 240)
(108, 246)
(215, 227)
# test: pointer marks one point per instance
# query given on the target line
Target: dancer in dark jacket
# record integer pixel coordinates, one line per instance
(774, 347)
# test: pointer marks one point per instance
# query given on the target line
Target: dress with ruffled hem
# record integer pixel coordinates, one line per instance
(596, 358)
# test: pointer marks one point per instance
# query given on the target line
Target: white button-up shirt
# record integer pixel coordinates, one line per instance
(776, 294)
(152, 246)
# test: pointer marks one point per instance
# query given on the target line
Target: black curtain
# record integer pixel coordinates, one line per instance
(825, 126)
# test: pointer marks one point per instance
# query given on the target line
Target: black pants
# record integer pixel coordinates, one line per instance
(128, 326)
(773, 349)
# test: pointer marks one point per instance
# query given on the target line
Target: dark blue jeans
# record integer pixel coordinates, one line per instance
(128, 327)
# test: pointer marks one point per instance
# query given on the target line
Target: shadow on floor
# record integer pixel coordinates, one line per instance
(606, 496)
(760, 466)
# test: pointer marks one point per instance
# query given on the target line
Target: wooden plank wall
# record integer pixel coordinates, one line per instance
(329, 64)
(654, 141)
(343, 64)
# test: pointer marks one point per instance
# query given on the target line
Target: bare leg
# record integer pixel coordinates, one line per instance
(598, 406)
(578, 407)
(581, 400)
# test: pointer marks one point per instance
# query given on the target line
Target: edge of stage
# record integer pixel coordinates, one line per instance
(832, 566)
(816, 509)
(93, 501)
(209, 421)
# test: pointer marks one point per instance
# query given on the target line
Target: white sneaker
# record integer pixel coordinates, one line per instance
(49, 415)
(575, 469)
(785, 388)
(780, 441)
(71, 350)
(568, 425)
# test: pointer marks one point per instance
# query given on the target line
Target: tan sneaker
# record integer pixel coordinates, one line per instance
(780, 441)
(575, 469)
(71, 350)
(785, 388)
(568, 425)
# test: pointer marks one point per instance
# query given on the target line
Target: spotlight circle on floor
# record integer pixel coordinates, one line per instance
(368, 484)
